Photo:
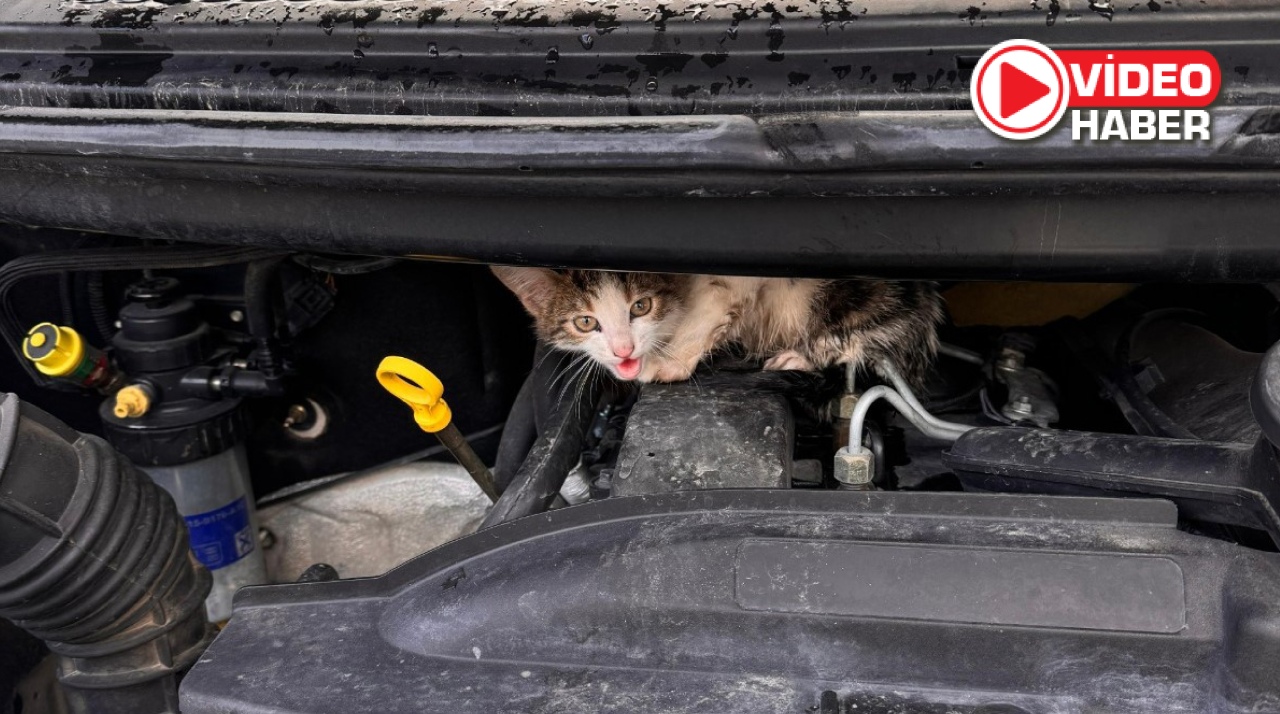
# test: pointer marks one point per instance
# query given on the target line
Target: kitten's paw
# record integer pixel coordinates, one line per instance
(649, 372)
(788, 360)
(664, 370)
(673, 372)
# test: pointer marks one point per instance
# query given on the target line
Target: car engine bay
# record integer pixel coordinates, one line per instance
(299, 412)
(1084, 492)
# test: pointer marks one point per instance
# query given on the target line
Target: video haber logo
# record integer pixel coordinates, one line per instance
(1021, 89)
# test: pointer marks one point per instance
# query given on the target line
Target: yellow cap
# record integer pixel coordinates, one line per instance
(56, 351)
(416, 386)
(131, 402)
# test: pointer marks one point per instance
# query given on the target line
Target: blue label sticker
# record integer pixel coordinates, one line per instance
(221, 537)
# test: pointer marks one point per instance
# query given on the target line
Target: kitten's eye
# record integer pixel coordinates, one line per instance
(641, 307)
(585, 323)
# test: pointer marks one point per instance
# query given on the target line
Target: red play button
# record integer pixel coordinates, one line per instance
(1018, 90)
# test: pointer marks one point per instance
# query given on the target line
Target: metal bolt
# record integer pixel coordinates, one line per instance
(296, 415)
(604, 480)
(1011, 359)
(319, 573)
(237, 315)
(1019, 408)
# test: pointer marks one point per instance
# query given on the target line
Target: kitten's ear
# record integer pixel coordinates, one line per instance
(534, 286)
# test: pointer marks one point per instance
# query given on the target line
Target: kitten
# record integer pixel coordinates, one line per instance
(653, 327)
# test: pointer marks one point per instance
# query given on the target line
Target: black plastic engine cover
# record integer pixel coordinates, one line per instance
(775, 601)
(685, 436)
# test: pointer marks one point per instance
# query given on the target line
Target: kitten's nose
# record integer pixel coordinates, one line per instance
(623, 351)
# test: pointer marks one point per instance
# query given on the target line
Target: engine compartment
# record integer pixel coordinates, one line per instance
(1092, 529)
(273, 439)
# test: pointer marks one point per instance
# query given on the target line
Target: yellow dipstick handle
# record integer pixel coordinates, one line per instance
(416, 386)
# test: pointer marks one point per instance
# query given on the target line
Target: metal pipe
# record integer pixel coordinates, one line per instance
(457, 445)
(904, 400)
(960, 353)
(946, 431)
(904, 390)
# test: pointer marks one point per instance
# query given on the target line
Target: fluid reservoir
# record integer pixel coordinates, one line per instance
(190, 444)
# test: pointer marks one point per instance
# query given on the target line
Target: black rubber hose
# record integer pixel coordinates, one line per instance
(94, 259)
(94, 560)
(532, 412)
(96, 291)
(66, 302)
(558, 446)
(518, 435)
(259, 300)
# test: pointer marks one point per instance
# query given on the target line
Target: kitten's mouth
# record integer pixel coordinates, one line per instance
(628, 368)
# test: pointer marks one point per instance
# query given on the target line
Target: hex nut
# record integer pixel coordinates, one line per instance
(854, 468)
(847, 404)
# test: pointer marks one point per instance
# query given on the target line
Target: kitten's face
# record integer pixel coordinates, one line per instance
(618, 319)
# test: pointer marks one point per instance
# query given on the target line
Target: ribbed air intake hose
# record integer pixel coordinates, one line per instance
(94, 561)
